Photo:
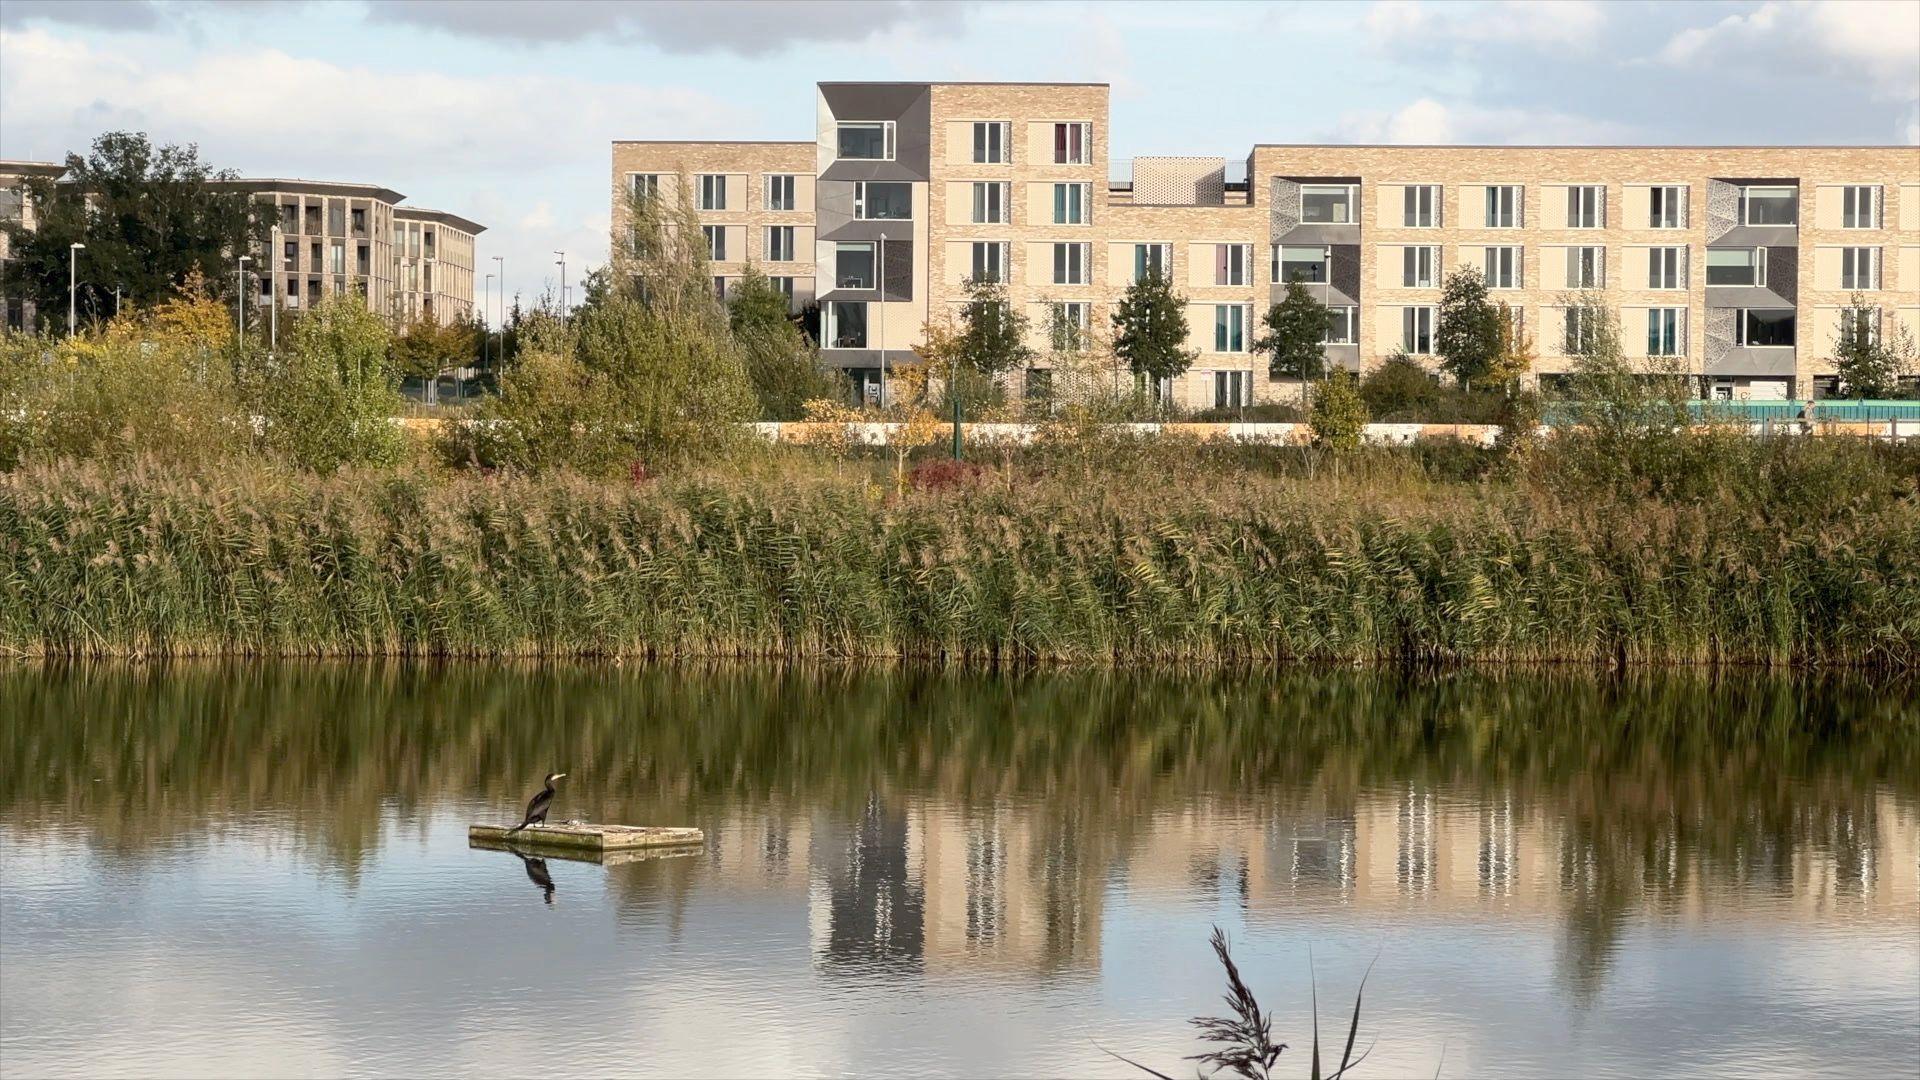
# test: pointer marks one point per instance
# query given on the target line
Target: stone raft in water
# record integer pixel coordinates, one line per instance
(583, 836)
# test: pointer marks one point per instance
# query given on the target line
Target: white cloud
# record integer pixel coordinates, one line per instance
(1427, 121)
(1571, 24)
(1875, 39)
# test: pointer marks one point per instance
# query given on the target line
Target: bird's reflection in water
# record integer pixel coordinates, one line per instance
(537, 873)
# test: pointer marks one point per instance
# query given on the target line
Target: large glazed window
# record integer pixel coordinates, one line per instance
(1769, 206)
(1763, 328)
(1343, 325)
(847, 324)
(1416, 330)
(865, 141)
(853, 265)
(1736, 266)
(1303, 264)
(1326, 204)
(882, 201)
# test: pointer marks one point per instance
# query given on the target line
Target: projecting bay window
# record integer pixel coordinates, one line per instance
(1860, 268)
(1067, 324)
(1666, 268)
(875, 200)
(989, 261)
(992, 203)
(1664, 331)
(780, 191)
(1232, 389)
(865, 140)
(1230, 264)
(992, 142)
(1308, 265)
(1737, 266)
(1860, 206)
(1416, 330)
(1587, 206)
(716, 242)
(1667, 207)
(1072, 203)
(1327, 204)
(1422, 206)
(713, 191)
(1343, 325)
(1586, 268)
(1766, 328)
(853, 265)
(1072, 144)
(1229, 328)
(779, 243)
(1503, 267)
(846, 325)
(1506, 206)
(1769, 206)
(1072, 264)
(1419, 266)
(1152, 260)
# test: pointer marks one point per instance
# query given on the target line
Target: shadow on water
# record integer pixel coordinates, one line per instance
(997, 807)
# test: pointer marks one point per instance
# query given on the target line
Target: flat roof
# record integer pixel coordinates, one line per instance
(713, 142)
(294, 184)
(952, 82)
(1581, 146)
(19, 167)
(441, 216)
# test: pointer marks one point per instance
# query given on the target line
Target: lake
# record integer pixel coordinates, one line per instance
(263, 869)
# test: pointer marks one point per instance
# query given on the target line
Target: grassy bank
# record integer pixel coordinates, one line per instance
(1394, 558)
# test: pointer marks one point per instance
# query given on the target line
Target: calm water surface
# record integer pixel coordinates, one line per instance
(263, 870)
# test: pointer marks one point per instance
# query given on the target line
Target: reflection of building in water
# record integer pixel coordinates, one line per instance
(867, 907)
(1009, 889)
(760, 848)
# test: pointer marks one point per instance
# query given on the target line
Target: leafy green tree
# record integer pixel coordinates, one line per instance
(1470, 337)
(782, 364)
(1296, 336)
(329, 396)
(1871, 363)
(1400, 389)
(1336, 413)
(149, 218)
(993, 332)
(1150, 330)
(425, 348)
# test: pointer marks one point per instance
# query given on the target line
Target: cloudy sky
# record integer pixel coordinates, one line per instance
(503, 110)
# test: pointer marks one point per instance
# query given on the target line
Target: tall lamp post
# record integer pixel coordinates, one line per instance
(274, 259)
(500, 268)
(880, 279)
(562, 264)
(486, 303)
(73, 285)
(240, 276)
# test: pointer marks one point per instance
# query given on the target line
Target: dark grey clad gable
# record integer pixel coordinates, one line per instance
(908, 105)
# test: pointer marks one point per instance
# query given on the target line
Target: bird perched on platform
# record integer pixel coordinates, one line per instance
(538, 805)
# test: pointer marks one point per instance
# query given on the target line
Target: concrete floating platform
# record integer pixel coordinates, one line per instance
(578, 836)
(596, 856)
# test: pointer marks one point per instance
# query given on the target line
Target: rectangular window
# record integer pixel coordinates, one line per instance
(1329, 204)
(1422, 205)
(1582, 326)
(720, 288)
(1072, 144)
(716, 242)
(1072, 264)
(337, 257)
(779, 191)
(1309, 265)
(1666, 268)
(1229, 328)
(1586, 268)
(1767, 328)
(1416, 330)
(643, 185)
(853, 265)
(1152, 260)
(1865, 324)
(713, 191)
(1667, 207)
(865, 141)
(846, 324)
(1769, 206)
(875, 200)
(783, 286)
(1736, 266)
(1232, 389)
(1663, 331)
(1505, 206)
(992, 142)
(779, 243)
(1072, 203)
(336, 219)
(1860, 206)
(359, 217)
(1419, 267)
(1230, 264)
(1067, 323)
(989, 261)
(1343, 325)
(1586, 206)
(992, 203)
(1503, 267)
(1860, 268)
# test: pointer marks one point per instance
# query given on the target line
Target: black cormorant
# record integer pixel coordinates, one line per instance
(538, 805)
(537, 873)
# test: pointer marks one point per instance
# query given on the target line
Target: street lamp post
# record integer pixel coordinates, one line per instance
(240, 276)
(73, 285)
(880, 279)
(563, 280)
(500, 267)
(486, 342)
(274, 259)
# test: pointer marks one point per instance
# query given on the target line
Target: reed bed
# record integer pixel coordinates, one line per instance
(237, 560)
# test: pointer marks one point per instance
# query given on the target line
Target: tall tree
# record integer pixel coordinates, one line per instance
(1871, 363)
(1469, 338)
(1296, 336)
(1150, 330)
(993, 332)
(149, 218)
(782, 364)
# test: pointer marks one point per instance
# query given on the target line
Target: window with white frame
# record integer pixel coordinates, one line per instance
(992, 202)
(1152, 260)
(1506, 206)
(990, 260)
(1860, 206)
(846, 324)
(992, 142)
(720, 289)
(1667, 268)
(1072, 264)
(644, 185)
(1072, 203)
(1586, 206)
(1737, 266)
(878, 200)
(1766, 328)
(784, 286)
(1421, 204)
(1420, 266)
(1860, 268)
(1229, 328)
(780, 191)
(1416, 330)
(853, 264)
(1856, 323)
(1343, 325)
(866, 140)
(1663, 331)
(1067, 324)
(1073, 143)
(1232, 389)
(1503, 266)
(1586, 268)
(1667, 207)
(1306, 264)
(779, 243)
(1230, 264)
(1583, 326)
(713, 191)
(1327, 204)
(716, 242)
(1769, 205)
